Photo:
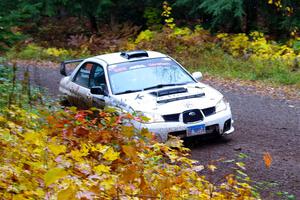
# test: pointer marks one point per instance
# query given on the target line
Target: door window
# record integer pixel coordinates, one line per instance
(82, 76)
(97, 77)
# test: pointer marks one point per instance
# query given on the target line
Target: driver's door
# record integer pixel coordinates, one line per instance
(97, 78)
(80, 86)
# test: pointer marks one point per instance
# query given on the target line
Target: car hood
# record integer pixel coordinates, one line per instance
(197, 96)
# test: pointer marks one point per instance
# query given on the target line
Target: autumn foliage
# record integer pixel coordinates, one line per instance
(95, 154)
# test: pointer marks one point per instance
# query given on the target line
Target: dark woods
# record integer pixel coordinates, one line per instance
(53, 20)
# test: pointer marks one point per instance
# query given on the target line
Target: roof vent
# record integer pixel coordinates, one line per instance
(134, 54)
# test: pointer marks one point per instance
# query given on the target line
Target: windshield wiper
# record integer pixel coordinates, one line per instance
(128, 91)
(163, 85)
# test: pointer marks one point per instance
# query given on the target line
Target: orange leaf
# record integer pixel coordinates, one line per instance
(268, 159)
(50, 119)
(80, 116)
(105, 136)
(130, 152)
(130, 174)
(143, 184)
(81, 131)
(128, 131)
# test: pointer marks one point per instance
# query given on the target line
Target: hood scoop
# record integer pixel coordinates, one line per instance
(181, 98)
(161, 93)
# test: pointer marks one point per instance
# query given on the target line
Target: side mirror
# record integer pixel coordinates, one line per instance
(98, 90)
(197, 76)
(63, 69)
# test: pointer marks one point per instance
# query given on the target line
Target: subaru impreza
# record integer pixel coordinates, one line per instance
(150, 84)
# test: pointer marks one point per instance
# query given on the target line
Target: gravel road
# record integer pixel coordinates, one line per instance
(262, 123)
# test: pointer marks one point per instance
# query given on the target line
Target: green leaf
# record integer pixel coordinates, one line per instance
(242, 155)
(291, 197)
(241, 165)
(241, 173)
(296, 46)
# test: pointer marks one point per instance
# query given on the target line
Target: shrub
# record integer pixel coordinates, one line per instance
(146, 36)
(35, 52)
(256, 46)
(31, 51)
(61, 54)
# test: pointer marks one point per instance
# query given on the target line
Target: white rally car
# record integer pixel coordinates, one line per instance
(152, 84)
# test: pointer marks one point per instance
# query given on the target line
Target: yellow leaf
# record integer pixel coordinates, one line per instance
(174, 142)
(19, 197)
(212, 167)
(111, 155)
(100, 169)
(6, 136)
(11, 125)
(100, 148)
(231, 180)
(268, 159)
(173, 156)
(40, 192)
(107, 184)
(67, 194)
(53, 175)
(84, 149)
(76, 155)
(33, 137)
(57, 149)
(2, 119)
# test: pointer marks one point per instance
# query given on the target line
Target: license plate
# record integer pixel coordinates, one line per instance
(196, 130)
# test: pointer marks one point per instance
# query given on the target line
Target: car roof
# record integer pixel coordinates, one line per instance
(115, 58)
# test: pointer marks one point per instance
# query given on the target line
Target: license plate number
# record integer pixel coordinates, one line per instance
(196, 130)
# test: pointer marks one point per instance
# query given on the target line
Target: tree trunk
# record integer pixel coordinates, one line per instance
(250, 19)
(93, 23)
(113, 21)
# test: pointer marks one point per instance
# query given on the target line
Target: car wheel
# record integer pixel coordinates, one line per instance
(64, 102)
(217, 135)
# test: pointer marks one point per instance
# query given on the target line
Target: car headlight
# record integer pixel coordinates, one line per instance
(153, 117)
(222, 105)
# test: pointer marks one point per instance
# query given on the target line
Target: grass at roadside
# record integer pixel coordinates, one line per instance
(216, 62)
(14, 91)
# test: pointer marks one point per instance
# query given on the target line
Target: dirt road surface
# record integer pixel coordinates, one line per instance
(263, 124)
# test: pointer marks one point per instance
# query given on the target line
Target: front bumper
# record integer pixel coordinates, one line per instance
(220, 123)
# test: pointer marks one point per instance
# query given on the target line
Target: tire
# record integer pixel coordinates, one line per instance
(64, 102)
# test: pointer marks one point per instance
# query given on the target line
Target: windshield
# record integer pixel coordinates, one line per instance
(146, 74)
